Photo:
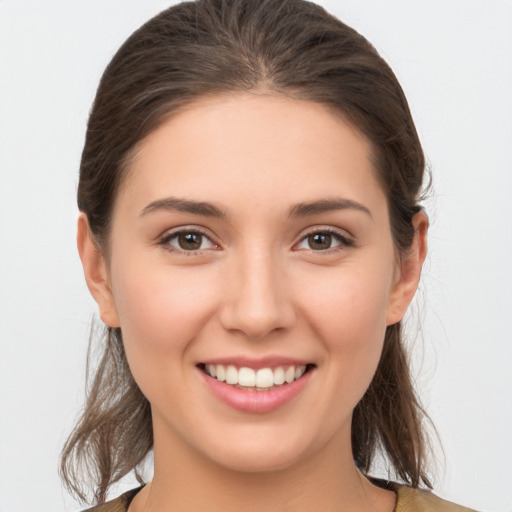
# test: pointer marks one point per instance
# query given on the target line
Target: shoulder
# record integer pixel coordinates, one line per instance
(120, 504)
(419, 500)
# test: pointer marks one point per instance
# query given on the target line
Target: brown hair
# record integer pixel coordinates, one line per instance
(193, 49)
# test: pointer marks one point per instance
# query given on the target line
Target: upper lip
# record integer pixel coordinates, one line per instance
(256, 363)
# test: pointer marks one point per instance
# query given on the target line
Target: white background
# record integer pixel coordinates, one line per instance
(454, 60)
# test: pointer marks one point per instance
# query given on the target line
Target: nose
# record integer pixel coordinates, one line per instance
(258, 297)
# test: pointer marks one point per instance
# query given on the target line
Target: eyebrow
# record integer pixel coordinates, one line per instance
(210, 210)
(184, 205)
(327, 205)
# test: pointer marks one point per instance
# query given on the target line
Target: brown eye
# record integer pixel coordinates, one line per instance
(320, 241)
(190, 241)
(324, 241)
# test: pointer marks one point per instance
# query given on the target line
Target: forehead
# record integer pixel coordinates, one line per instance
(253, 145)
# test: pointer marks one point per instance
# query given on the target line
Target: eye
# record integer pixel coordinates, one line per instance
(323, 241)
(188, 241)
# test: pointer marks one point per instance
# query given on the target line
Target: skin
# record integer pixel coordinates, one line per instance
(256, 287)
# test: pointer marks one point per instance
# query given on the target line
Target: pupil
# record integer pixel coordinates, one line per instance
(320, 241)
(190, 241)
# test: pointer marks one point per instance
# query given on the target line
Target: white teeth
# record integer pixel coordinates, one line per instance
(299, 371)
(231, 375)
(221, 372)
(264, 378)
(289, 374)
(279, 376)
(247, 377)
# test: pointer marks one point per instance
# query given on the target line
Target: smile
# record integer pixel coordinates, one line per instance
(266, 387)
(263, 379)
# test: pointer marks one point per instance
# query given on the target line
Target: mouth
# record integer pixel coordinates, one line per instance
(261, 379)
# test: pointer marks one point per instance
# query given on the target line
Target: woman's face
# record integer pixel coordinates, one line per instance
(250, 241)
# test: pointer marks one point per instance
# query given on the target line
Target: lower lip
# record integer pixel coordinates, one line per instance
(256, 401)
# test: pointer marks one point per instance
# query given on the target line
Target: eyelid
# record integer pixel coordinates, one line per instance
(345, 238)
(168, 235)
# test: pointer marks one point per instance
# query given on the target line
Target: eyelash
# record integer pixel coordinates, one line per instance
(166, 239)
(343, 241)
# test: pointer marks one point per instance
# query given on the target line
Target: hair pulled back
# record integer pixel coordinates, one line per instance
(210, 47)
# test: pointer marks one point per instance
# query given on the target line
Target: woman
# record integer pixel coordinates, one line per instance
(251, 231)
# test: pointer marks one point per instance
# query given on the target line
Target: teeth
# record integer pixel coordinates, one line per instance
(263, 378)
(247, 377)
(278, 376)
(231, 375)
(221, 372)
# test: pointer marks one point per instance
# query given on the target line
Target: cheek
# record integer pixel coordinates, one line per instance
(161, 311)
(348, 313)
(347, 307)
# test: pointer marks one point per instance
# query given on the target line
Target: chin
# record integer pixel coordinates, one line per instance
(262, 450)
(257, 461)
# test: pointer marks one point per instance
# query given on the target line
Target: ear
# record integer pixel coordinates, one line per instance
(408, 271)
(95, 271)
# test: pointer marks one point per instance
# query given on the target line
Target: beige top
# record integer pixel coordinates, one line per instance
(408, 500)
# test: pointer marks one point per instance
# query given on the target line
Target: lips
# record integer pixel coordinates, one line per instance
(256, 387)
